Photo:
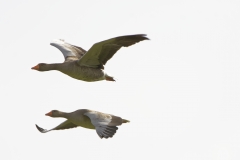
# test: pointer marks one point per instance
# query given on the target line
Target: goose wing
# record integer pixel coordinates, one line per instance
(105, 124)
(101, 52)
(65, 125)
(70, 52)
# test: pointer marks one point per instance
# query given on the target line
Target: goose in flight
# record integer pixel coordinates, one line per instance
(104, 124)
(89, 65)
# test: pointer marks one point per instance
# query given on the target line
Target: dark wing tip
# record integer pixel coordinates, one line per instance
(108, 132)
(143, 36)
(140, 36)
(129, 40)
(41, 129)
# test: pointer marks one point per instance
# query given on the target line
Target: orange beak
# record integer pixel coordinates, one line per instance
(49, 114)
(35, 67)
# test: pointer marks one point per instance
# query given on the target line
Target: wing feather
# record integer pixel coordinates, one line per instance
(65, 125)
(105, 124)
(70, 52)
(101, 52)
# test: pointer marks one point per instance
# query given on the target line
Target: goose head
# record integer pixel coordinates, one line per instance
(54, 113)
(41, 67)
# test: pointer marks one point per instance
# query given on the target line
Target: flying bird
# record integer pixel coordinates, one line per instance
(104, 124)
(89, 65)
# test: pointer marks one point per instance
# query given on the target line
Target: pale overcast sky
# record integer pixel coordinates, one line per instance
(180, 90)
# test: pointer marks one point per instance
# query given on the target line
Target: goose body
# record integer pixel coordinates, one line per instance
(89, 65)
(104, 124)
(73, 70)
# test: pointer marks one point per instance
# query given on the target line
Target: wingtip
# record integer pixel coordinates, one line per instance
(40, 129)
(145, 37)
(55, 42)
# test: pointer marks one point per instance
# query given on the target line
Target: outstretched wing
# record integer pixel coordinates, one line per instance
(105, 124)
(65, 125)
(70, 52)
(101, 52)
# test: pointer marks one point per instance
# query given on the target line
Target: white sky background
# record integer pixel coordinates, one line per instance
(180, 90)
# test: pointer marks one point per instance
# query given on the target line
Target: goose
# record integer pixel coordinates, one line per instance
(104, 124)
(88, 65)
